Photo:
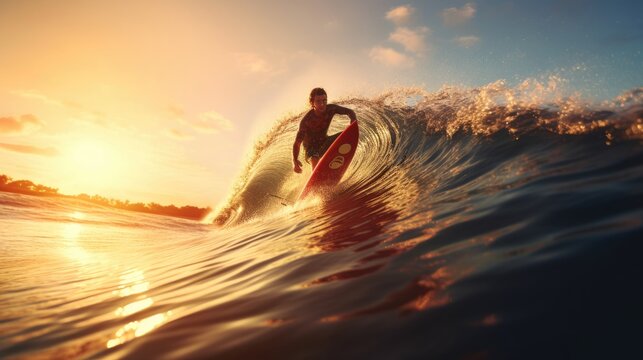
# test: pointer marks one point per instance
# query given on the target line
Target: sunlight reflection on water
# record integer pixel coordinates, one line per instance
(134, 282)
(137, 328)
(72, 248)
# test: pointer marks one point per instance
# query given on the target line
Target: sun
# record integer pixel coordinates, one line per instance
(92, 163)
(90, 156)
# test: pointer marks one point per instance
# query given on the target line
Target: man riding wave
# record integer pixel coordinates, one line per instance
(313, 128)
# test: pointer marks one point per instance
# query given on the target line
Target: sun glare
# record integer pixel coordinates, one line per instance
(90, 156)
(92, 164)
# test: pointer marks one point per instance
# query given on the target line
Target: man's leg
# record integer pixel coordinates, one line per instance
(325, 146)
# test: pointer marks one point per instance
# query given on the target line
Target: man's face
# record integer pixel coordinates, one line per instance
(319, 103)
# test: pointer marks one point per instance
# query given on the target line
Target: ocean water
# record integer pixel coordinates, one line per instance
(488, 223)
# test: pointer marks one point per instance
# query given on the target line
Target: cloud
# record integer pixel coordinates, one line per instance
(208, 122)
(30, 94)
(412, 40)
(33, 150)
(400, 14)
(211, 122)
(273, 63)
(467, 41)
(390, 57)
(252, 63)
(87, 115)
(178, 134)
(455, 16)
(67, 104)
(25, 124)
(176, 111)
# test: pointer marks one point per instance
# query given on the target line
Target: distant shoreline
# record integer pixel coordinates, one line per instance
(26, 187)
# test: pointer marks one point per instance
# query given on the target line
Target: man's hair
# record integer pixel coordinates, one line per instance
(316, 92)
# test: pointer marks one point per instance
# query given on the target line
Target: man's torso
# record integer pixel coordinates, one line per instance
(315, 128)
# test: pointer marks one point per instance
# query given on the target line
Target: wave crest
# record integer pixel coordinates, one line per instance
(407, 133)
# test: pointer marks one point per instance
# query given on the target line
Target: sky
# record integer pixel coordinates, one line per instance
(162, 101)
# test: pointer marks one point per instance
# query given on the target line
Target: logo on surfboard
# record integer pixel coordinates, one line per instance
(338, 161)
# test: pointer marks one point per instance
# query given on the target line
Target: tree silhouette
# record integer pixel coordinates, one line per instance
(27, 187)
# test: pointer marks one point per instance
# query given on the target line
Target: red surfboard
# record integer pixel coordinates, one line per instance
(332, 166)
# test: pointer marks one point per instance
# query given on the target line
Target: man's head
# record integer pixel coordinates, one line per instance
(318, 99)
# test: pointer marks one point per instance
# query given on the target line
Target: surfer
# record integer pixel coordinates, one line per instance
(313, 128)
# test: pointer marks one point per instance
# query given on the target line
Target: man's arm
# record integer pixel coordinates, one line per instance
(295, 155)
(345, 111)
(296, 145)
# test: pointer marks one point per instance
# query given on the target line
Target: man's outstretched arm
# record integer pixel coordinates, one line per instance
(346, 111)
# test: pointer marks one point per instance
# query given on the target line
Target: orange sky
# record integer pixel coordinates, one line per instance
(163, 100)
(148, 103)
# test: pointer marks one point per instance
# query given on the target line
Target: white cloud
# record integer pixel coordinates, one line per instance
(458, 16)
(24, 124)
(390, 57)
(400, 14)
(412, 40)
(467, 41)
